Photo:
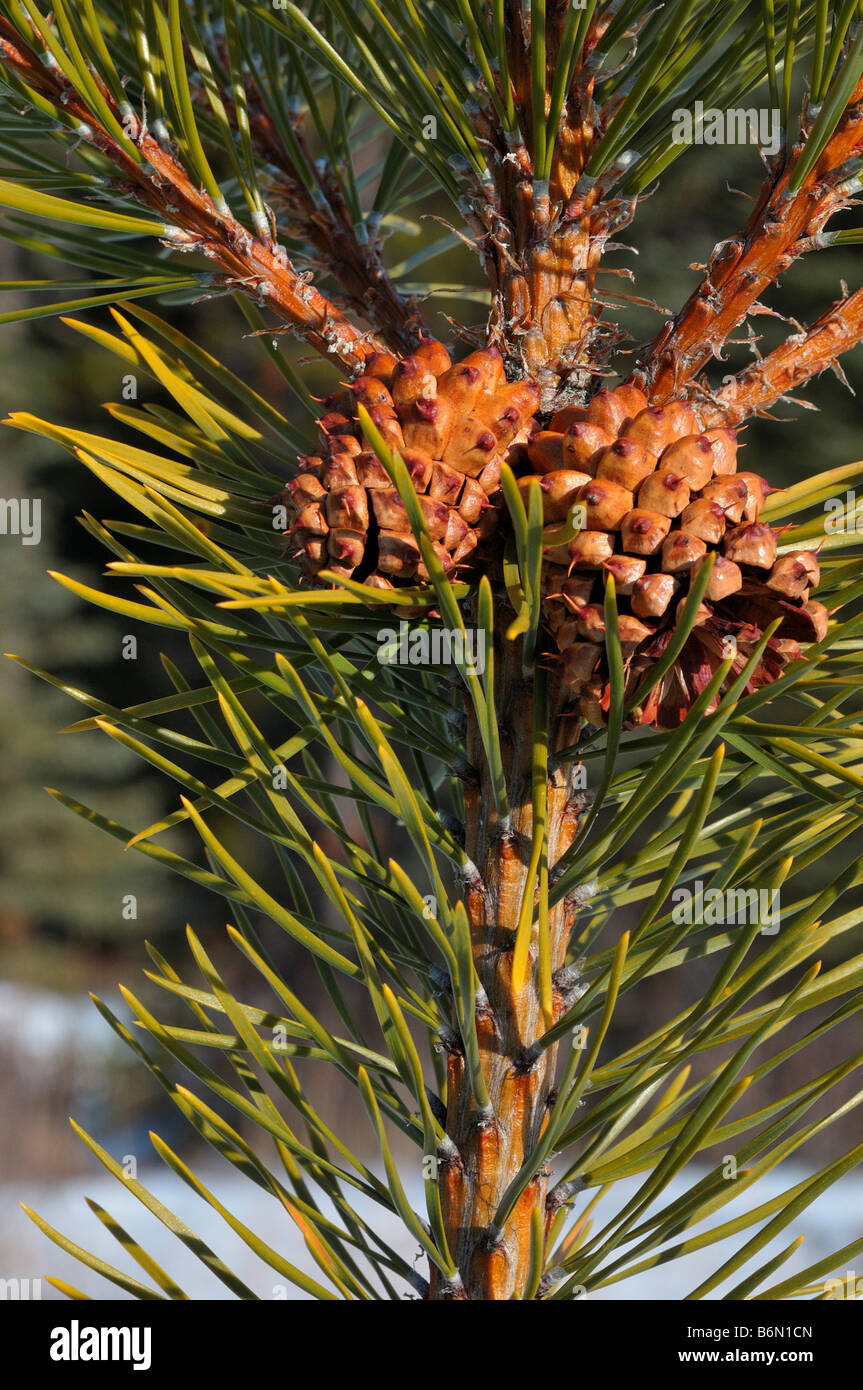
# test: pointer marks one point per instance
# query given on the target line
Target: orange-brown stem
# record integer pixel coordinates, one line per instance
(545, 308)
(491, 1148)
(779, 229)
(542, 264)
(255, 266)
(325, 223)
(789, 365)
(542, 244)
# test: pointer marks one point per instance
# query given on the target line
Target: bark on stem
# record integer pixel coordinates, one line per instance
(782, 226)
(325, 223)
(255, 266)
(542, 243)
(791, 364)
(491, 1149)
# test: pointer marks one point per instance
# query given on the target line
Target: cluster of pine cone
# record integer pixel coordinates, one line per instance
(655, 495)
(452, 425)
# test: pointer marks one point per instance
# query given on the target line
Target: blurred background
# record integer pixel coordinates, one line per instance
(64, 929)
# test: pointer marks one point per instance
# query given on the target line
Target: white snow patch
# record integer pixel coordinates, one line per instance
(832, 1221)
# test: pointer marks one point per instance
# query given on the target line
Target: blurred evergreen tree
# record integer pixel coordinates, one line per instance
(57, 880)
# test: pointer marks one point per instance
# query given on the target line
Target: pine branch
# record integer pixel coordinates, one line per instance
(794, 362)
(782, 227)
(357, 264)
(259, 268)
(492, 960)
(541, 243)
(320, 216)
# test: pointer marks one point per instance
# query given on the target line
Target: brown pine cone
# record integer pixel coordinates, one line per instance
(655, 497)
(661, 497)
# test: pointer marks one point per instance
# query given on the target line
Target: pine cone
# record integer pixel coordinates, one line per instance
(452, 425)
(659, 496)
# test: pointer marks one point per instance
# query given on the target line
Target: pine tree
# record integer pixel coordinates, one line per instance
(655, 651)
(89, 895)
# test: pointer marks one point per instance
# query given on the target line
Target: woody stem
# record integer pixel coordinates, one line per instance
(790, 365)
(254, 265)
(490, 1148)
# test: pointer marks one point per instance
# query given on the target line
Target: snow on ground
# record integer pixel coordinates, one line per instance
(40, 1024)
(56, 1024)
(831, 1222)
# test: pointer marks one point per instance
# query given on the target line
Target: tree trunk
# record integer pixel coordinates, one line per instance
(490, 1148)
(546, 305)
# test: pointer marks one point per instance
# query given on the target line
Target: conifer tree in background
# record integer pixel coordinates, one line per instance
(76, 891)
(656, 650)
